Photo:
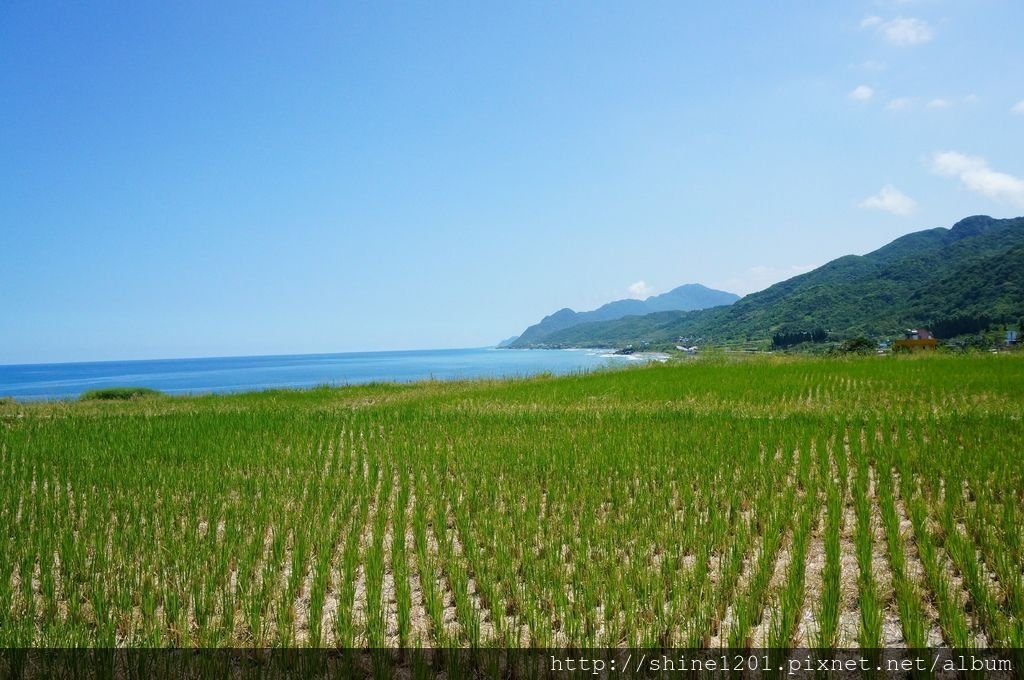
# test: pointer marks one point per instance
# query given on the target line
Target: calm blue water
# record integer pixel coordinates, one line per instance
(236, 374)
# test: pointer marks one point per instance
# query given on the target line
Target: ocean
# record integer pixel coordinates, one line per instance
(240, 374)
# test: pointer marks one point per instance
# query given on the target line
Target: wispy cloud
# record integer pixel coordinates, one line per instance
(891, 200)
(975, 175)
(904, 103)
(872, 65)
(861, 93)
(1018, 107)
(640, 290)
(901, 31)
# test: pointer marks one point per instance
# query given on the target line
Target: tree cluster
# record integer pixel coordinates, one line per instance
(782, 339)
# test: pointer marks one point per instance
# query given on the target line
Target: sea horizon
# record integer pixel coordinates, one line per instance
(251, 356)
(242, 373)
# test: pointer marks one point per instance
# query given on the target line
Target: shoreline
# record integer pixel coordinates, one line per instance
(241, 375)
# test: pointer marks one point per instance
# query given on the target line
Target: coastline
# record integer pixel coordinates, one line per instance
(68, 381)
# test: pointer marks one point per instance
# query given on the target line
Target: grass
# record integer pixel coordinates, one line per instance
(650, 506)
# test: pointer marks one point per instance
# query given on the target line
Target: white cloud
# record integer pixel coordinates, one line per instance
(901, 31)
(892, 200)
(975, 174)
(899, 104)
(906, 31)
(939, 103)
(1018, 107)
(971, 99)
(640, 290)
(861, 93)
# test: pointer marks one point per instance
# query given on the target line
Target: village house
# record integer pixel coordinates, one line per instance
(917, 339)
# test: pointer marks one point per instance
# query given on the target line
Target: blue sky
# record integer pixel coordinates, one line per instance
(213, 179)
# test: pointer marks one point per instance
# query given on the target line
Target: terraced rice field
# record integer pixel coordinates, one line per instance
(772, 502)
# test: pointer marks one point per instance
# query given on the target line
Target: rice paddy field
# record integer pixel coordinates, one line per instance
(771, 502)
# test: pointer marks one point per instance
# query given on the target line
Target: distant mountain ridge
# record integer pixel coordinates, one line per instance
(974, 268)
(687, 297)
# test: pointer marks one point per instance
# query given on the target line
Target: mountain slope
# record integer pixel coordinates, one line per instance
(683, 298)
(976, 267)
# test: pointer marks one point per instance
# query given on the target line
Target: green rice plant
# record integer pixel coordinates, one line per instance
(791, 600)
(908, 597)
(955, 627)
(869, 602)
(432, 596)
(749, 607)
(827, 611)
(399, 565)
(964, 555)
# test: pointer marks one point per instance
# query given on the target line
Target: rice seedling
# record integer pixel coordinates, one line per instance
(676, 505)
(827, 613)
(867, 587)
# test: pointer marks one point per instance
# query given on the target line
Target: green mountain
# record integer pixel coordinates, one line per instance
(687, 297)
(976, 268)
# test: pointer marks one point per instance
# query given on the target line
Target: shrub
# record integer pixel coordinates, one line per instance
(119, 393)
(858, 346)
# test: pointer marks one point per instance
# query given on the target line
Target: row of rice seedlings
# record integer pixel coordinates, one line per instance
(491, 562)
(578, 599)
(541, 580)
(724, 557)
(375, 624)
(285, 587)
(324, 555)
(453, 552)
(955, 628)
(486, 603)
(694, 630)
(467, 615)
(964, 556)
(1011, 528)
(433, 598)
(985, 532)
(572, 556)
(682, 567)
(400, 563)
(513, 547)
(827, 611)
(748, 608)
(869, 602)
(736, 547)
(451, 568)
(577, 594)
(344, 623)
(983, 515)
(953, 494)
(330, 545)
(909, 599)
(783, 627)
